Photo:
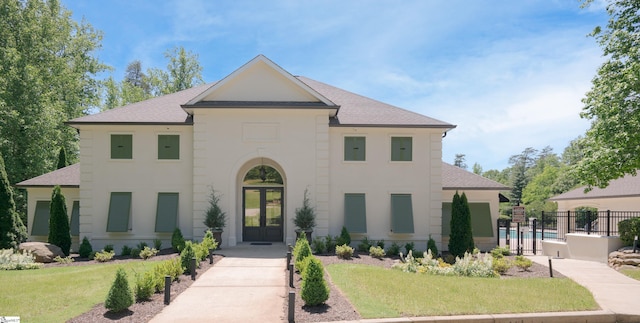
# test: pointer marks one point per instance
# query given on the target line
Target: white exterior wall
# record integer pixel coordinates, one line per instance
(229, 142)
(143, 175)
(478, 196)
(602, 204)
(35, 194)
(378, 177)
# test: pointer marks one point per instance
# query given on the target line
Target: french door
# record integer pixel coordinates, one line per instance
(263, 214)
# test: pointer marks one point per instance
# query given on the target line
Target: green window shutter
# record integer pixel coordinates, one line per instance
(119, 212)
(121, 146)
(355, 213)
(401, 213)
(75, 218)
(168, 147)
(355, 148)
(401, 148)
(167, 212)
(40, 225)
(446, 219)
(481, 223)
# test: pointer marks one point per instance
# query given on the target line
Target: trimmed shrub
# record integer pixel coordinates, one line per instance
(499, 252)
(201, 252)
(301, 251)
(330, 243)
(119, 297)
(431, 246)
(103, 256)
(344, 238)
(318, 246)
(314, 289)
(523, 263)
(394, 249)
(501, 265)
(186, 255)
(145, 286)
(461, 236)
(173, 268)
(344, 251)
(208, 242)
(65, 260)
(629, 229)
(126, 251)
(364, 245)
(11, 260)
(108, 248)
(177, 240)
(147, 253)
(376, 252)
(59, 231)
(85, 248)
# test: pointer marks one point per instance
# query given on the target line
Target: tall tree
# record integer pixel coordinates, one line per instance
(613, 102)
(477, 169)
(461, 235)
(460, 161)
(12, 229)
(47, 72)
(183, 72)
(518, 177)
(59, 231)
(62, 158)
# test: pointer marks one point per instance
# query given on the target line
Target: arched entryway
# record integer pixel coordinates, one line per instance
(263, 205)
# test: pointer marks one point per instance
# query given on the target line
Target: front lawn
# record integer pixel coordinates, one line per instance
(378, 293)
(633, 273)
(56, 294)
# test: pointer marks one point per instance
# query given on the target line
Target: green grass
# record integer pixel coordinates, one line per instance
(378, 293)
(57, 294)
(633, 273)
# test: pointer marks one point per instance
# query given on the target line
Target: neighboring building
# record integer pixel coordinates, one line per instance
(622, 194)
(260, 137)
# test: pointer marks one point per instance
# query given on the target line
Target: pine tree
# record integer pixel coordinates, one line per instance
(120, 296)
(62, 158)
(461, 237)
(12, 230)
(314, 289)
(59, 231)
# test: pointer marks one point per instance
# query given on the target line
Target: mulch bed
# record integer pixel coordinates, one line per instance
(337, 308)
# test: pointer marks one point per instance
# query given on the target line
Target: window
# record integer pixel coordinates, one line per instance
(481, 222)
(40, 225)
(75, 219)
(355, 213)
(167, 212)
(401, 213)
(121, 146)
(168, 147)
(401, 149)
(119, 211)
(354, 148)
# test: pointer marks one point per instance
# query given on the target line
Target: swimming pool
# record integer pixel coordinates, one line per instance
(528, 235)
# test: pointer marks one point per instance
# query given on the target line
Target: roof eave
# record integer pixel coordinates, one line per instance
(364, 125)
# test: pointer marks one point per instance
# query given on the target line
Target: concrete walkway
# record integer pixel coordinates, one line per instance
(247, 285)
(612, 290)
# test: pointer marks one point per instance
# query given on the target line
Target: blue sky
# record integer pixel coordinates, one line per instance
(509, 74)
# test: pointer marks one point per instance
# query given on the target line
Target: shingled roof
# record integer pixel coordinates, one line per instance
(66, 177)
(456, 178)
(626, 186)
(453, 178)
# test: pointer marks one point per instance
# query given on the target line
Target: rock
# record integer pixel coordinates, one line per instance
(632, 262)
(42, 251)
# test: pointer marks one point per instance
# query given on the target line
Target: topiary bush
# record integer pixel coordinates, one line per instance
(186, 255)
(629, 229)
(314, 289)
(344, 238)
(431, 245)
(301, 251)
(177, 240)
(208, 242)
(59, 231)
(376, 252)
(85, 248)
(344, 251)
(119, 297)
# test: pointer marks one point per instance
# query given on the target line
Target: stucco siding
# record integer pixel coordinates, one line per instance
(35, 194)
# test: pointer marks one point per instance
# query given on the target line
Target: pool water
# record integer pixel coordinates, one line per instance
(527, 235)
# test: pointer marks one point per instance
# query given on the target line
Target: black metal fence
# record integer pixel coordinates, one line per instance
(525, 238)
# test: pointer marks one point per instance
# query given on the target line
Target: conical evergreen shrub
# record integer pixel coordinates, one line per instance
(120, 296)
(12, 230)
(186, 255)
(85, 248)
(59, 231)
(461, 236)
(314, 288)
(301, 251)
(177, 240)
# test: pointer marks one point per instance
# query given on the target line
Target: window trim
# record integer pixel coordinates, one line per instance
(344, 149)
(111, 146)
(391, 140)
(158, 147)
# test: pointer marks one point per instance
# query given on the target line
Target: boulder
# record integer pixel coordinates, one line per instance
(42, 251)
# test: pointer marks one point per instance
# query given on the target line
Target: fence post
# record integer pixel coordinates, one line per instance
(588, 221)
(535, 234)
(518, 239)
(542, 233)
(568, 224)
(608, 223)
(498, 232)
(507, 234)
